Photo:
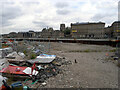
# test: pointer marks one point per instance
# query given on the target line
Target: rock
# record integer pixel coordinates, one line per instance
(44, 83)
(58, 63)
(75, 61)
(63, 57)
(115, 58)
(71, 86)
(71, 78)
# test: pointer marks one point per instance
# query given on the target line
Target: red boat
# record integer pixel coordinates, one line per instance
(14, 71)
(18, 72)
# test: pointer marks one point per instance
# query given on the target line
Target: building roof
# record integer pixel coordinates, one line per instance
(84, 23)
(116, 22)
(12, 33)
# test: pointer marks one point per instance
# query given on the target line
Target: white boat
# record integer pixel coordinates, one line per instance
(43, 58)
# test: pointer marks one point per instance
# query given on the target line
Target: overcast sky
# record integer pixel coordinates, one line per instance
(25, 15)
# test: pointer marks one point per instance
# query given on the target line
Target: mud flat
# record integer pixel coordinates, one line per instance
(91, 66)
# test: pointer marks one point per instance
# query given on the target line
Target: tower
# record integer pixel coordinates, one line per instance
(119, 11)
(62, 27)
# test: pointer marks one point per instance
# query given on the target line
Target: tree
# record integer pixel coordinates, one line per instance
(67, 31)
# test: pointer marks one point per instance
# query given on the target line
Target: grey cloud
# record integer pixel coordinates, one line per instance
(107, 18)
(98, 17)
(5, 23)
(101, 16)
(7, 2)
(40, 24)
(106, 11)
(9, 13)
(61, 5)
(63, 12)
(30, 3)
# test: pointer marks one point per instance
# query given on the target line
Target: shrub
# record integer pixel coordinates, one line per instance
(32, 56)
(113, 50)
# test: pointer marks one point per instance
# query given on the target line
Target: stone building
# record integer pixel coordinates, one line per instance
(108, 33)
(46, 33)
(50, 33)
(95, 30)
(38, 34)
(57, 34)
(5, 35)
(115, 27)
(87, 30)
(112, 31)
(30, 34)
(10, 35)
